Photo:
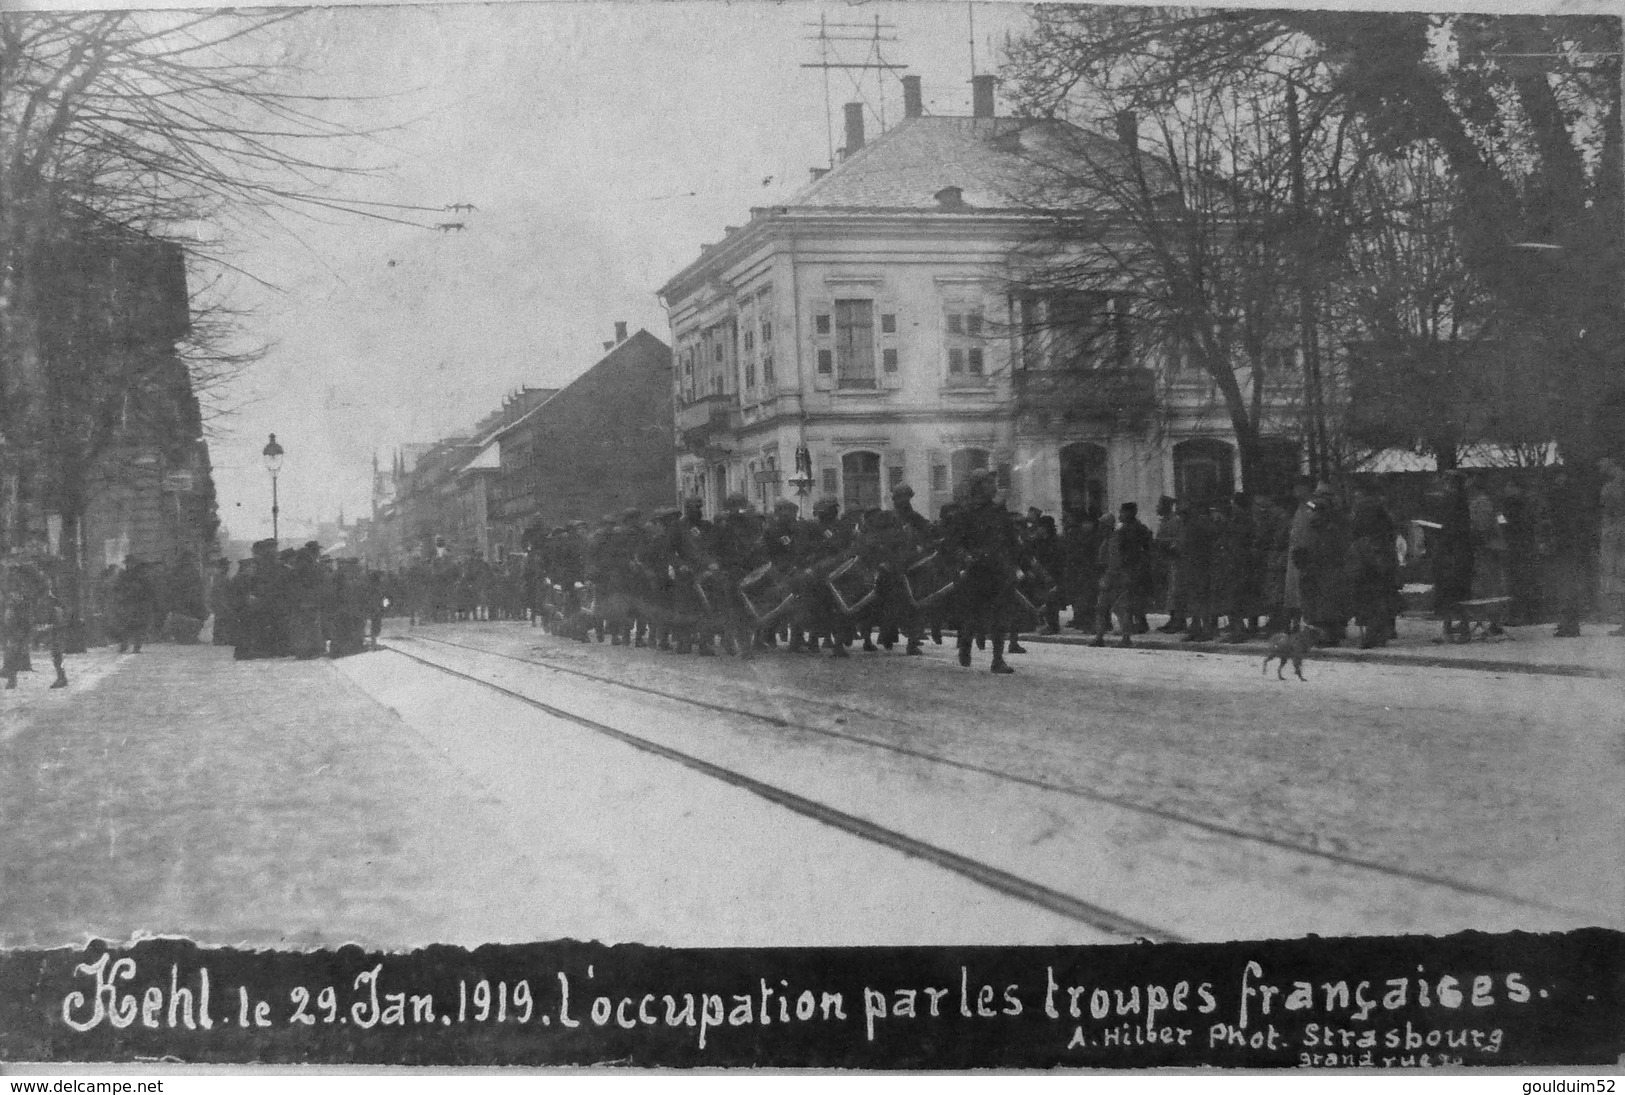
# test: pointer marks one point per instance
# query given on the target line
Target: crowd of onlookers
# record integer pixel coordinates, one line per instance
(1470, 549)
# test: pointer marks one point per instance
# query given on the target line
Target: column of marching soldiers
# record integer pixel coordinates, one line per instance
(747, 582)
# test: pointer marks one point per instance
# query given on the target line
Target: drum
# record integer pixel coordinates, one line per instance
(767, 596)
(712, 589)
(927, 581)
(1038, 586)
(854, 586)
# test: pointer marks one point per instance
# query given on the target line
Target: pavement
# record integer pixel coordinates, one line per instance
(1534, 649)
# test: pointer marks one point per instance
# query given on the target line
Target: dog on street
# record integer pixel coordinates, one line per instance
(1292, 647)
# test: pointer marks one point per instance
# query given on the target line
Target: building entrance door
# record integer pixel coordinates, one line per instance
(1083, 478)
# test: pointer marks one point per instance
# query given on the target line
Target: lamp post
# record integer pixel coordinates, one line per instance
(273, 464)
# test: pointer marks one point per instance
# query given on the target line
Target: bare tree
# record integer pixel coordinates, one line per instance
(1192, 224)
(1519, 114)
(122, 132)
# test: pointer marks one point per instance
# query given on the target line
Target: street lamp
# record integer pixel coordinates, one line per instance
(273, 464)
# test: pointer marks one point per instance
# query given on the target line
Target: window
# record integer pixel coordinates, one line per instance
(966, 355)
(939, 477)
(962, 462)
(888, 360)
(1074, 329)
(1203, 470)
(888, 324)
(861, 470)
(832, 484)
(750, 374)
(821, 324)
(854, 343)
(767, 332)
(750, 340)
(894, 478)
(826, 361)
(767, 371)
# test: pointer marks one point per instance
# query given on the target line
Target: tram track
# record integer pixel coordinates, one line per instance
(985, 874)
(1200, 824)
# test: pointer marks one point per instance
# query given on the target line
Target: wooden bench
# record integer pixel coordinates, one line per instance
(1479, 619)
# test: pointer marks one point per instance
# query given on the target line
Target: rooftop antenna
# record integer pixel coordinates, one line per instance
(831, 57)
(970, 11)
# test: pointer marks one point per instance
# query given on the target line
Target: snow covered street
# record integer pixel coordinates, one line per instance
(488, 782)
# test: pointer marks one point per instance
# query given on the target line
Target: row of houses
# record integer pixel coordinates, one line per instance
(547, 456)
(869, 333)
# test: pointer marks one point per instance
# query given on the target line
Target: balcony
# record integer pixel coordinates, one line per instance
(1126, 396)
(707, 422)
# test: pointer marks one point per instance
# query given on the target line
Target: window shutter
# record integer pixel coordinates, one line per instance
(823, 344)
(1005, 479)
(941, 484)
(829, 476)
(896, 470)
(888, 344)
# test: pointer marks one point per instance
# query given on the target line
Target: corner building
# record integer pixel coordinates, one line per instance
(877, 319)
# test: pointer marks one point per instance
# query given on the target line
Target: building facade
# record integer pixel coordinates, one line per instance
(602, 445)
(876, 325)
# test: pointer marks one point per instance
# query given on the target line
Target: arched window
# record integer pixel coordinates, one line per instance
(860, 479)
(1083, 478)
(1204, 470)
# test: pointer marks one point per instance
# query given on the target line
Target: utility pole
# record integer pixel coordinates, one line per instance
(1308, 325)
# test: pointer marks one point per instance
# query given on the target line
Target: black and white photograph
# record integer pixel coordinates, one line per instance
(812, 535)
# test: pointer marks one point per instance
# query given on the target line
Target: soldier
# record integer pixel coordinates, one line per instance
(916, 539)
(658, 558)
(987, 534)
(1080, 565)
(737, 546)
(1127, 581)
(1170, 529)
(28, 601)
(828, 543)
(304, 597)
(1193, 570)
(1244, 569)
(784, 545)
(1045, 549)
(135, 602)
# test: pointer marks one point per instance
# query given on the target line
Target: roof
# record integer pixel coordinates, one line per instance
(640, 341)
(515, 407)
(995, 163)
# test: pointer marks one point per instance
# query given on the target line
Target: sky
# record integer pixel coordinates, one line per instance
(602, 144)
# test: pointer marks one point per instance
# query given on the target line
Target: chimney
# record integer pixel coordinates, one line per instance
(982, 96)
(950, 197)
(854, 127)
(1128, 128)
(818, 172)
(913, 105)
(620, 332)
(609, 346)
